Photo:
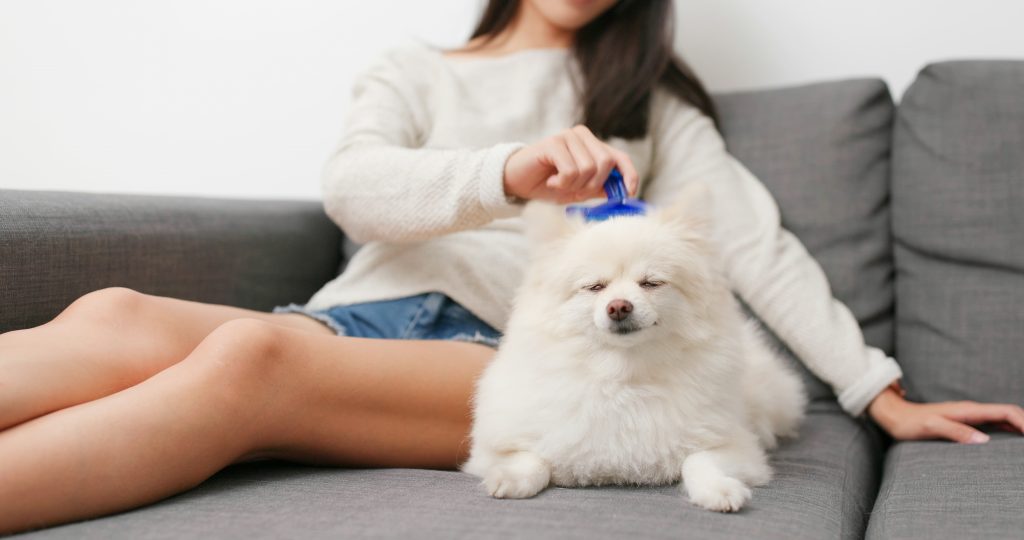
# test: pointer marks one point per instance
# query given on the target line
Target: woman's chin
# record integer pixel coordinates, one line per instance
(571, 15)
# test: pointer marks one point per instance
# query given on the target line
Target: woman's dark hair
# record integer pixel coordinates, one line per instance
(623, 54)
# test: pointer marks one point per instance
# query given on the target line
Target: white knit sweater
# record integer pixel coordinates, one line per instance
(418, 179)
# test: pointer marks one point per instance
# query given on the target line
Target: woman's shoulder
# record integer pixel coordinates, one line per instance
(672, 115)
(412, 65)
(410, 55)
(675, 124)
(667, 106)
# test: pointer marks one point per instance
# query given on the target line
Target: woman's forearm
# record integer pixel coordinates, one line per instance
(396, 194)
(883, 408)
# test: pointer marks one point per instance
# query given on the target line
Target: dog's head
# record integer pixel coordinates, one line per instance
(627, 280)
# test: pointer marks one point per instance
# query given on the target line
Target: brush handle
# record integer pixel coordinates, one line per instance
(615, 186)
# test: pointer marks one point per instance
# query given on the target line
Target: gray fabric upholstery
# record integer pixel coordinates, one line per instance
(825, 482)
(823, 152)
(934, 490)
(55, 247)
(958, 222)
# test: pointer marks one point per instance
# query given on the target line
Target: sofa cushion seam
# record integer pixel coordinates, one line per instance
(861, 432)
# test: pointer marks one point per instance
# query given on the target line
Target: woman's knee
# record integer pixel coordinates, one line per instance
(261, 375)
(243, 353)
(118, 305)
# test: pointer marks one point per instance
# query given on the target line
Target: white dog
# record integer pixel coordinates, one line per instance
(628, 361)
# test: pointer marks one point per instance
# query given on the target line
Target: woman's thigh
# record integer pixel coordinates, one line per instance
(190, 321)
(367, 402)
(194, 320)
(106, 341)
(153, 331)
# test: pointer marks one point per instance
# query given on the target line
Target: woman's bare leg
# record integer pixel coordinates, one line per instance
(104, 342)
(250, 389)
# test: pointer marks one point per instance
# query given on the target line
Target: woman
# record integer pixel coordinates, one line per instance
(124, 398)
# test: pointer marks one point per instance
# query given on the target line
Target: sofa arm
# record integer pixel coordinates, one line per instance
(57, 246)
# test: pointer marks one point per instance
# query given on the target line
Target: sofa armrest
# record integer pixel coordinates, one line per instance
(57, 246)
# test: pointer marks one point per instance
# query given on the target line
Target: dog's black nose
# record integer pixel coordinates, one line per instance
(619, 309)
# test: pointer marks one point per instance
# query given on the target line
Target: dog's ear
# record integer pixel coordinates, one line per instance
(691, 207)
(545, 222)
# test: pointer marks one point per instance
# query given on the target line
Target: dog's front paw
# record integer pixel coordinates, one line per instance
(721, 494)
(503, 485)
(517, 477)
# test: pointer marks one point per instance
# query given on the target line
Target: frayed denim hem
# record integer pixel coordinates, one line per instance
(477, 338)
(334, 325)
(324, 317)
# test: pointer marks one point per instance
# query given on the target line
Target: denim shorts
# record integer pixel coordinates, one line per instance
(431, 315)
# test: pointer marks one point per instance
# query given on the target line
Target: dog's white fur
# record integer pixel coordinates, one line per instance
(692, 392)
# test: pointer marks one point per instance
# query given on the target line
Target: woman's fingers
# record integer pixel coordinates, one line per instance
(1012, 414)
(629, 174)
(604, 161)
(1006, 426)
(558, 153)
(942, 427)
(567, 167)
(585, 162)
(594, 160)
(607, 157)
(980, 413)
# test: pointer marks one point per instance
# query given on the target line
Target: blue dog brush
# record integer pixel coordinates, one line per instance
(618, 203)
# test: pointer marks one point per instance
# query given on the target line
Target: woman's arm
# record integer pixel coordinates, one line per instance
(766, 264)
(773, 272)
(379, 184)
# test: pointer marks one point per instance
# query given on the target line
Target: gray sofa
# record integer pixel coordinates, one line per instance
(916, 214)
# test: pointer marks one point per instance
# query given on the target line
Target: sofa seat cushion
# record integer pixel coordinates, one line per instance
(958, 224)
(938, 489)
(825, 482)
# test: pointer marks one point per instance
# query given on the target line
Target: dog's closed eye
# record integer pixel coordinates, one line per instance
(651, 284)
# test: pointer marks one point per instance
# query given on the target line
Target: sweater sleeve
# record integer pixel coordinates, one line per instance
(766, 264)
(380, 184)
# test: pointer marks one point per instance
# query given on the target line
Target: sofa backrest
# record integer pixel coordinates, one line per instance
(822, 150)
(958, 223)
(57, 246)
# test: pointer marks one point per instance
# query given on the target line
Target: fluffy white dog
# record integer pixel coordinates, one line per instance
(628, 361)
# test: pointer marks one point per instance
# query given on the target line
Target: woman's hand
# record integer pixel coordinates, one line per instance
(568, 167)
(907, 420)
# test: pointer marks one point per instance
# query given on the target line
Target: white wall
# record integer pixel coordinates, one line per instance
(740, 44)
(245, 98)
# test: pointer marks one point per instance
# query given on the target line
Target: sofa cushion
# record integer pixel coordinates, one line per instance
(56, 246)
(958, 223)
(822, 150)
(825, 482)
(937, 489)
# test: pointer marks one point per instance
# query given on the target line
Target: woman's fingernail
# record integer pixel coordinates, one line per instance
(978, 438)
